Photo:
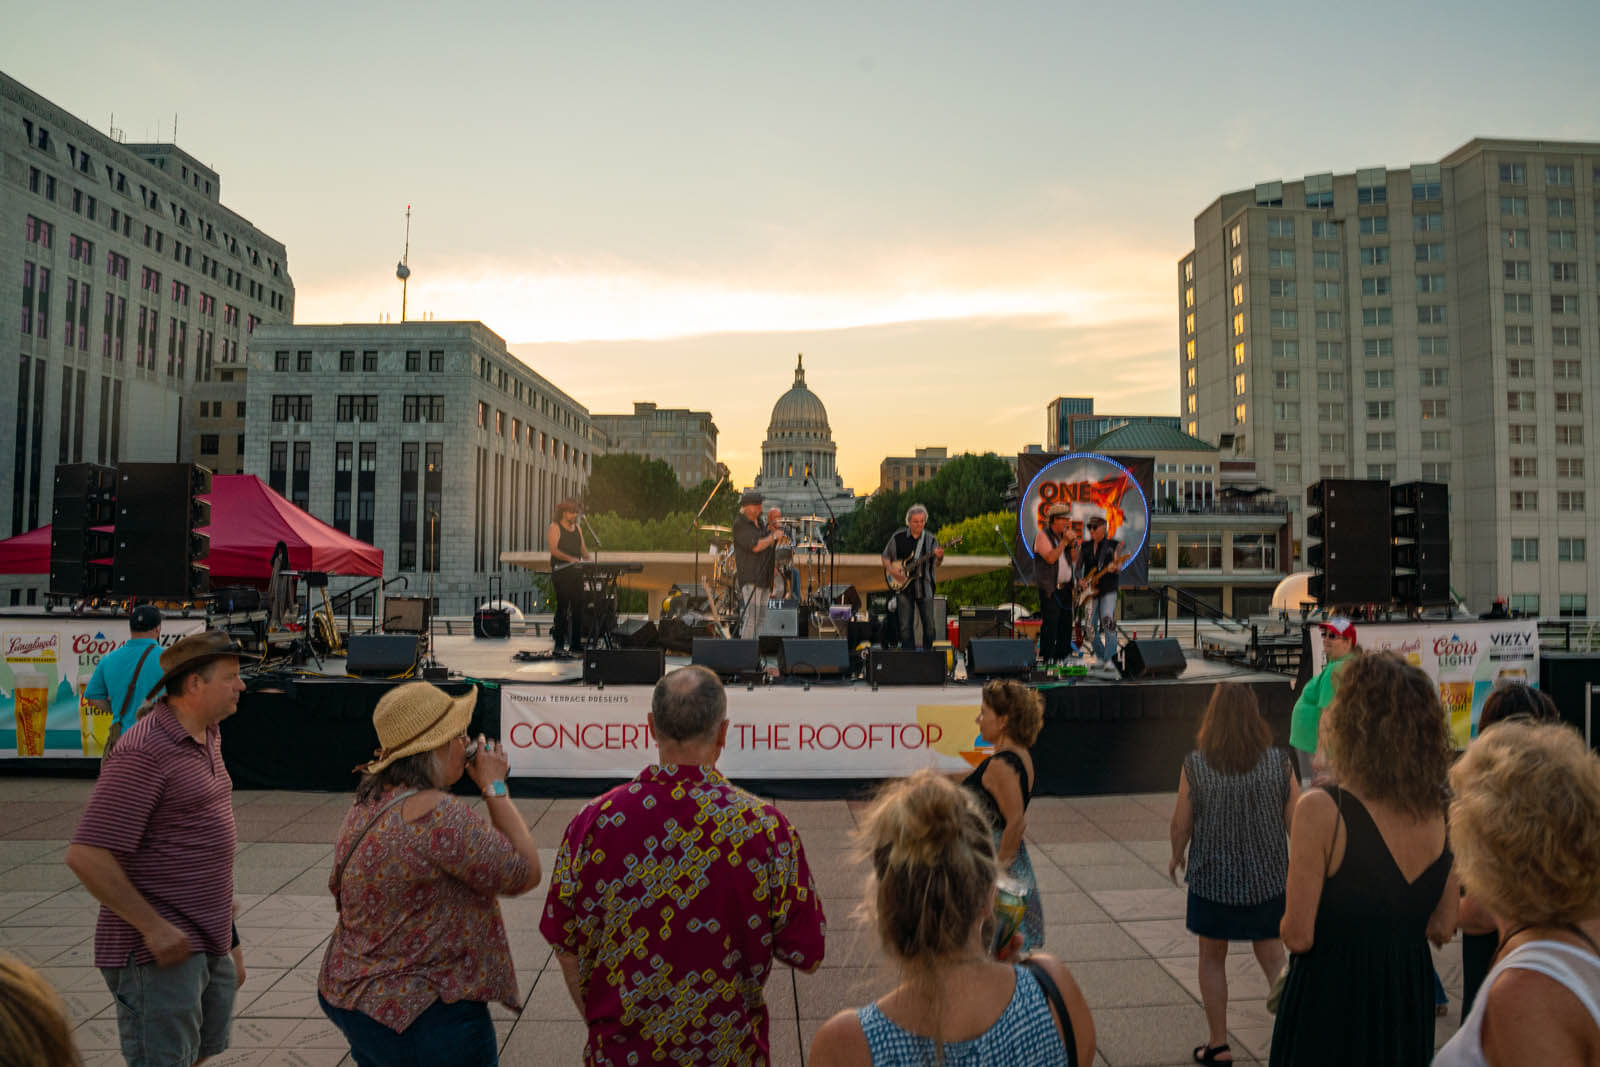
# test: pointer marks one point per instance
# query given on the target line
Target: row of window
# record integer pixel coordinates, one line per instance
(1290, 474)
(1567, 500)
(1568, 550)
(1372, 184)
(1527, 433)
(1203, 551)
(1528, 466)
(1572, 605)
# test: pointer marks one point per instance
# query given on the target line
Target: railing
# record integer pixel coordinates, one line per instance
(345, 599)
(1261, 505)
(1196, 608)
(1569, 635)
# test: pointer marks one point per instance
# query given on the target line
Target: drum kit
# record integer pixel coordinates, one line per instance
(799, 565)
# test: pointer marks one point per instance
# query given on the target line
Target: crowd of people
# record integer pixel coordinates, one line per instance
(673, 896)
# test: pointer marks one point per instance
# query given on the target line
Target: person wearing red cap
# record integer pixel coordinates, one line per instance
(1338, 645)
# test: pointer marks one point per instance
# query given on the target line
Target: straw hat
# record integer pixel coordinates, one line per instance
(417, 717)
(1058, 511)
(191, 653)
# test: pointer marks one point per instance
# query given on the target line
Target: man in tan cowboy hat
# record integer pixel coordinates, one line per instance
(155, 847)
(1055, 553)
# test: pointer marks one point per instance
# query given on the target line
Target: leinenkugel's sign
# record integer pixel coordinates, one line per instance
(1091, 485)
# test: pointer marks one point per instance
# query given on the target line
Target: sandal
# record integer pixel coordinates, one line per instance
(1209, 1054)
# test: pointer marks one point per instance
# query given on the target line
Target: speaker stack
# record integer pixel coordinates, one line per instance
(1350, 522)
(82, 518)
(161, 541)
(1420, 524)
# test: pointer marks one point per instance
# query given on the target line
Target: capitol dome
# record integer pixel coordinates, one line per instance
(799, 414)
(798, 456)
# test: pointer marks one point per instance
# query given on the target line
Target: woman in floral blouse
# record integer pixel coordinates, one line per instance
(419, 949)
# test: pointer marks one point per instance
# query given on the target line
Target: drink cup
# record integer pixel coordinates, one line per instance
(1010, 903)
(31, 698)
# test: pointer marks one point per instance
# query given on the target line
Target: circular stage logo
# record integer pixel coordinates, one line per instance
(1091, 485)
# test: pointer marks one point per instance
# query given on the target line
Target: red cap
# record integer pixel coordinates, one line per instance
(1340, 626)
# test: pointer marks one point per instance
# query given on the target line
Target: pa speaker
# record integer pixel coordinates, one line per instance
(1160, 657)
(623, 666)
(981, 622)
(1354, 526)
(405, 614)
(635, 633)
(727, 657)
(491, 622)
(905, 666)
(988, 656)
(380, 653)
(814, 657)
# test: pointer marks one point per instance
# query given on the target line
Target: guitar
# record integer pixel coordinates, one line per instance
(901, 575)
(1086, 584)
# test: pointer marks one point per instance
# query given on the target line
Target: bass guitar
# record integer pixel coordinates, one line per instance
(1086, 585)
(901, 576)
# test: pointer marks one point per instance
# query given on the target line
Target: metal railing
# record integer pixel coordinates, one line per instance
(1261, 505)
(1569, 635)
(345, 600)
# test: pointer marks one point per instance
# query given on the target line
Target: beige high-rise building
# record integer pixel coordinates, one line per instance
(897, 473)
(1434, 322)
(684, 440)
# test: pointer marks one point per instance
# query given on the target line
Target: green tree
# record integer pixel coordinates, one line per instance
(633, 486)
(722, 508)
(978, 538)
(968, 485)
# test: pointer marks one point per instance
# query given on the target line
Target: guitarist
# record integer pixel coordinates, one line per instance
(1055, 553)
(910, 546)
(1100, 554)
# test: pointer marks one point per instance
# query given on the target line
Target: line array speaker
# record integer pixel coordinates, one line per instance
(161, 539)
(1349, 518)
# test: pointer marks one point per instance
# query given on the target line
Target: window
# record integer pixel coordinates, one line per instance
(1570, 549)
(1525, 603)
(1430, 283)
(357, 407)
(1188, 323)
(1520, 336)
(1436, 472)
(291, 407)
(1381, 441)
(1380, 409)
(1381, 316)
(1286, 442)
(1373, 225)
(1425, 182)
(1524, 500)
(1200, 551)
(1560, 207)
(1238, 265)
(1513, 205)
(1381, 471)
(1569, 500)
(1377, 347)
(1286, 379)
(1568, 435)
(1238, 385)
(1380, 379)
(1522, 433)
(1514, 173)
(1332, 470)
(1255, 552)
(1188, 296)
(209, 444)
(413, 362)
(1238, 324)
(1370, 186)
(1283, 287)
(369, 361)
(1563, 272)
(1319, 190)
(1285, 349)
(1325, 259)
(1519, 303)
(1518, 401)
(1375, 286)
(1517, 270)
(1282, 319)
(1330, 442)
(1574, 605)
(1324, 230)
(1278, 226)
(1325, 290)
(1375, 257)
(1564, 336)
(1428, 377)
(1519, 368)
(1432, 222)
(422, 408)
(347, 362)
(1235, 235)
(1429, 253)
(1435, 409)
(1563, 304)
(1514, 238)
(1330, 380)
(1558, 175)
(1568, 402)
(1433, 346)
(1524, 550)
(1436, 440)
(1286, 410)
(1280, 258)
(1569, 466)
(303, 361)
(1524, 467)
(1329, 320)
(1238, 354)
(1238, 414)
(1330, 411)
(280, 361)
(1330, 351)
(1430, 314)
(1566, 240)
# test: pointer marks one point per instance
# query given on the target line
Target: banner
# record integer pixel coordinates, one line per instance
(1115, 489)
(45, 665)
(776, 732)
(1466, 659)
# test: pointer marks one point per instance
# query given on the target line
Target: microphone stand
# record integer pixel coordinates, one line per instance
(1016, 566)
(695, 523)
(833, 526)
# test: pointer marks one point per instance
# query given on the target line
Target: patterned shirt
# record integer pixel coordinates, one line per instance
(163, 806)
(1025, 1033)
(419, 918)
(675, 892)
(1240, 850)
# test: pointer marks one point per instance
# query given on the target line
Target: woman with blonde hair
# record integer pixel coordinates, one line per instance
(1526, 820)
(34, 1031)
(932, 898)
(1236, 796)
(1010, 717)
(1369, 880)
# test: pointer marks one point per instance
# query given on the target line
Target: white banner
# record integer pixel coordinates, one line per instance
(1466, 658)
(45, 665)
(773, 732)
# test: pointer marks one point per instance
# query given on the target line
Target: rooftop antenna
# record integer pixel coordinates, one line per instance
(402, 271)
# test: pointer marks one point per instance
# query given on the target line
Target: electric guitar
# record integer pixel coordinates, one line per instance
(1086, 584)
(900, 575)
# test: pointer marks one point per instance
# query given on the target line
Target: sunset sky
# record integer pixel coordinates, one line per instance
(956, 211)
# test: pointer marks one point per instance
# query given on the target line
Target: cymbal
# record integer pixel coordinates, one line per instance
(716, 529)
(811, 518)
(811, 546)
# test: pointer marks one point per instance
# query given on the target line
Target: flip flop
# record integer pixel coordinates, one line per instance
(1209, 1054)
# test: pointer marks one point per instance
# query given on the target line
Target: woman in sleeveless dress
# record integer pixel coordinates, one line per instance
(932, 899)
(1526, 825)
(1370, 880)
(565, 541)
(1009, 718)
(1236, 796)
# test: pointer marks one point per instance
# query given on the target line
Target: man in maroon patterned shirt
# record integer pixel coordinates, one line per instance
(155, 847)
(673, 894)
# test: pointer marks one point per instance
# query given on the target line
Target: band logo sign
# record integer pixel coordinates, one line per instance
(1092, 486)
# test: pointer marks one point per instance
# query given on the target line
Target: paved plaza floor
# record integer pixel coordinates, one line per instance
(1110, 912)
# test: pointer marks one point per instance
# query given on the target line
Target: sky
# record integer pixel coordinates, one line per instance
(956, 211)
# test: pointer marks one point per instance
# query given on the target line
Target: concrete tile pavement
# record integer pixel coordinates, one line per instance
(1110, 913)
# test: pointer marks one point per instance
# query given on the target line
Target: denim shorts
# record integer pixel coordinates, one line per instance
(444, 1035)
(173, 1015)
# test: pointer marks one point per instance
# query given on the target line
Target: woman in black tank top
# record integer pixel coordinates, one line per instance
(1010, 719)
(566, 546)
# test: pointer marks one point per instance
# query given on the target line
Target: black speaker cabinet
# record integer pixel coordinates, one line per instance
(405, 614)
(635, 633)
(491, 622)
(980, 622)
(814, 657)
(380, 653)
(906, 666)
(1353, 524)
(1160, 657)
(727, 656)
(988, 656)
(623, 666)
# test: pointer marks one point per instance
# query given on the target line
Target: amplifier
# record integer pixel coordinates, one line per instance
(405, 614)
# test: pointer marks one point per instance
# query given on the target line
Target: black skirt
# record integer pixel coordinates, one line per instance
(1234, 922)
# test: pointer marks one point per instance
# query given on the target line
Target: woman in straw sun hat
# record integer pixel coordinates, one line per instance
(419, 948)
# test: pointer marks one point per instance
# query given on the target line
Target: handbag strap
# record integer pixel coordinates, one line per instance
(338, 876)
(1053, 994)
(137, 667)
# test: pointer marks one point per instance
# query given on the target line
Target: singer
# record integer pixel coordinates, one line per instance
(567, 548)
(753, 562)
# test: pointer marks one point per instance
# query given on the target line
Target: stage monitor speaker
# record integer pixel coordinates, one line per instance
(380, 653)
(405, 614)
(1160, 657)
(987, 656)
(635, 633)
(814, 657)
(491, 622)
(906, 666)
(727, 656)
(623, 666)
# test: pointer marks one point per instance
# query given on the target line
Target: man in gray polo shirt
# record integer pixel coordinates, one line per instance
(155, 847)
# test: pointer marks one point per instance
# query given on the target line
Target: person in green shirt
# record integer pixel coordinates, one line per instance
(1338, 645)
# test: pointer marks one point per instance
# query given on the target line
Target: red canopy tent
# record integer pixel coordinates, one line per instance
(248, 520)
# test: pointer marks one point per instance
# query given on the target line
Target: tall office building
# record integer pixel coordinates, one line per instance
(1435, 322)
(684, 440)
(131, 293)
(427, 439)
